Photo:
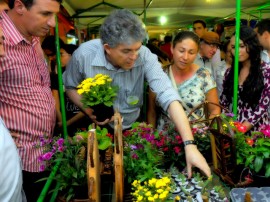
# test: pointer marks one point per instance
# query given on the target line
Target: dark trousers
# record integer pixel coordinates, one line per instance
(32, 188)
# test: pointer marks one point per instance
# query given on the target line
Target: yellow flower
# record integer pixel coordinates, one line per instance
(135, 183)
(140, 198)
(159, 191)
(152, 181)
(151, 198)
(177, 198)
(80, 91)
(162, 196)
(148, 193)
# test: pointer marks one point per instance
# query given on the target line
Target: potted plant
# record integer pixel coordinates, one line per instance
(254, 152)
(142, 158)
(71, 153)
(181, 179)
(157, 190)
(196, 178)
(98, 93)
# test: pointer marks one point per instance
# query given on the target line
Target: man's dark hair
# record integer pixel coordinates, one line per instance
(263, 25)
(49, 43)
(167, 39)
(201, 22)
(28, 3)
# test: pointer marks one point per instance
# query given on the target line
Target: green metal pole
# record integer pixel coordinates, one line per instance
(48, 183)
(60, 81)
(63, 112)
(236, 61)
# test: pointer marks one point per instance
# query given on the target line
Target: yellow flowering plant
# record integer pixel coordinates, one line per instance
(97, 90)
(157, 190)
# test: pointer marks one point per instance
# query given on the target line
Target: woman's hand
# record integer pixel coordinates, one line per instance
(195, 158)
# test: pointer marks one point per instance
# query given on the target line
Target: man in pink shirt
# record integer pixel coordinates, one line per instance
(26, 102)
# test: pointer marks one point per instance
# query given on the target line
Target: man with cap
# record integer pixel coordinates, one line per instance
(208, 48)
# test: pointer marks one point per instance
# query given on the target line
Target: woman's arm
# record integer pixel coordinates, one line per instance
(57, 105)
(193, 156)
(212, 96)
(151, 111)
(75, 118)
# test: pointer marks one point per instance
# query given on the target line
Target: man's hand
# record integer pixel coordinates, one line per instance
(15, 135)
(90, 112)
(195, 158)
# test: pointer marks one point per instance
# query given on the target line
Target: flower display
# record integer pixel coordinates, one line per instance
(97, 90)
(71, 153)
(152, 190)
(141, 155)
(254, 151)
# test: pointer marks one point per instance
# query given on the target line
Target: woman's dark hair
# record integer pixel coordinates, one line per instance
(253, 85)
(185, 35)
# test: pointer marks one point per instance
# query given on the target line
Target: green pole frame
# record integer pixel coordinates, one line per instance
(236, 61)
(63, 112)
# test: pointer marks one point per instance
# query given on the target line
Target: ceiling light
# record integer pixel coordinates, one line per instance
(163, 20)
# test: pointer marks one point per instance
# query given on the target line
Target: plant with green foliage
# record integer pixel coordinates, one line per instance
(97, 90)
(254, 151)
(71, 154)
(141, 156)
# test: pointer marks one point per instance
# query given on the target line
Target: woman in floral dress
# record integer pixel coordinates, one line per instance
(193, 83)
(253, 82)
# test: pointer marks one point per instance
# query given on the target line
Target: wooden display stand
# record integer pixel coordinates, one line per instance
(118, 158)
(93, 167)
(223, 151)
(224, 154)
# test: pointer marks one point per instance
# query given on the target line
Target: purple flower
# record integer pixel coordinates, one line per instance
(42, 167)
(61, 149)
(230, 114)
(134, 156)
(60, 142)
(133, 147)
(40, 158)
(47, 156)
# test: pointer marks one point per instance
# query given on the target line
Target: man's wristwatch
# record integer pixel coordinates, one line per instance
(187, 142)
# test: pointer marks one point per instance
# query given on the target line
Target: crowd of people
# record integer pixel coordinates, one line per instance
(198, 67)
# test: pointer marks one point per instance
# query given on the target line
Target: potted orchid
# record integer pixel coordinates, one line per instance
(98, 93)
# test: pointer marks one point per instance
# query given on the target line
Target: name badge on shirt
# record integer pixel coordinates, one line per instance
(132, 100)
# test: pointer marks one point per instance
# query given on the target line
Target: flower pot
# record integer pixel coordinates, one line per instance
(102, 112)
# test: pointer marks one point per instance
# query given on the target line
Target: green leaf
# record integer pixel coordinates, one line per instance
(258, 163)
(267, 168)
(104, 144)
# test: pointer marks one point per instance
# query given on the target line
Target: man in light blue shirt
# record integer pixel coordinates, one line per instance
(120, 54)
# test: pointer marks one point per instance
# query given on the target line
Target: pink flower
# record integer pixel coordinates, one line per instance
(42, 167)
(47, 156)
(61, 149)
(266, 130)
(177, 149)
(134, 156)
(60, 142)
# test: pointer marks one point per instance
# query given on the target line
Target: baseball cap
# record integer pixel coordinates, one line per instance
(211, 38)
